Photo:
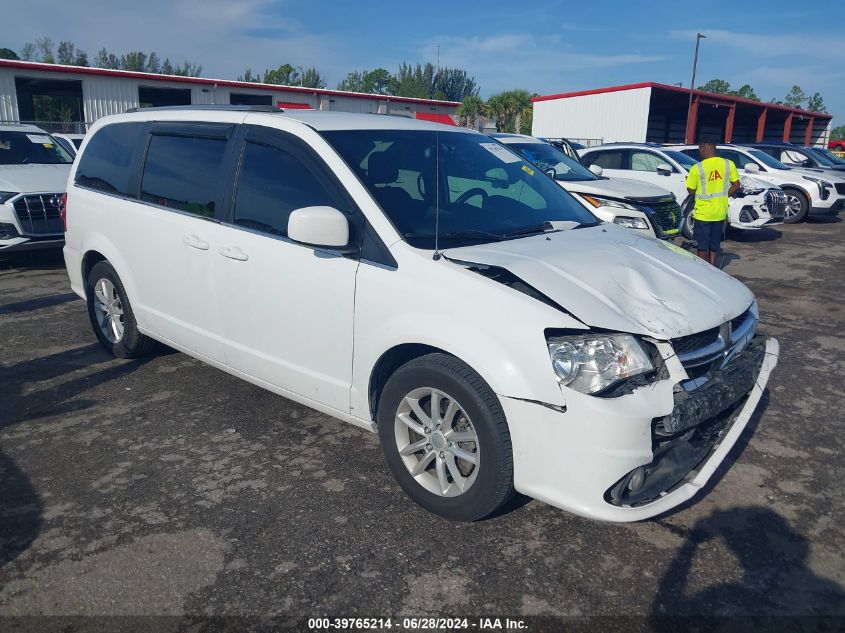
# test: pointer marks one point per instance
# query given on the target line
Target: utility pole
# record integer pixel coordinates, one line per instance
(698, 38)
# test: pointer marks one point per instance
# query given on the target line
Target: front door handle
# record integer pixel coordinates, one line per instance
(233, 252)
(194, 242)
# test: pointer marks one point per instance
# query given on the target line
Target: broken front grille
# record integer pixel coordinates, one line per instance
(704, 351)
(39, 214)
(776, 203)
(665, 212)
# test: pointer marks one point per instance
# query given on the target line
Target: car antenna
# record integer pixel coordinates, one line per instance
(436, 255)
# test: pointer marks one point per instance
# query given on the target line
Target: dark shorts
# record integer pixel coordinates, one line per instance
(708, 235)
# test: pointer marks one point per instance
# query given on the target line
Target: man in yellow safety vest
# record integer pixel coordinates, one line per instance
(712, 181)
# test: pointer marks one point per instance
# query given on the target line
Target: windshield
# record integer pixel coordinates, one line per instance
(27, 148)
(682, 159)
(485, 192)
(833, 158)
(547, 158)
(822, 158)
(767, 160)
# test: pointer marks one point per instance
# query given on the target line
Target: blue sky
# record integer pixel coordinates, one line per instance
(544, 47)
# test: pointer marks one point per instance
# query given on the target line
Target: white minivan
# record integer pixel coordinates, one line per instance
(424, 282)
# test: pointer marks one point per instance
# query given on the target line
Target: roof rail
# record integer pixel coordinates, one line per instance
(211, 106)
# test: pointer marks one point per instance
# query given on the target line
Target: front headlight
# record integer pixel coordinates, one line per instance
(629, 222)
(593, 362)
(5, 195)
(821, 184)
(598, 201)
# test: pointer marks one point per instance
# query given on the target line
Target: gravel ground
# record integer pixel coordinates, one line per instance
(164, 487)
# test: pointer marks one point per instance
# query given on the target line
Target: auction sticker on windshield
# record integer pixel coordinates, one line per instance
(39, 139)
(501, 153)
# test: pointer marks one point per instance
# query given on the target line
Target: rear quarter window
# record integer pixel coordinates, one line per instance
(106, 163)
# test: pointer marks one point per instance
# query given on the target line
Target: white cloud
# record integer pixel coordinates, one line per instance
(512, 60)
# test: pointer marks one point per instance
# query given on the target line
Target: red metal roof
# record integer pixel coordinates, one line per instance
(435, 118)
(658, 86)
(86, 70)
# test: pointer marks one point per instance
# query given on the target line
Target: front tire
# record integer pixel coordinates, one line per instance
(797, 206)
(111, 314)
(689, 224)
(445, 438)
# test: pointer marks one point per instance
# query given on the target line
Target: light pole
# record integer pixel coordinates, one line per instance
(698, 38)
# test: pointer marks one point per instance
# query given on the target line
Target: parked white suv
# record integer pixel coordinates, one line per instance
(425, 282)
(33, 173)
(807, 191)
(755, 205)
(633, 204)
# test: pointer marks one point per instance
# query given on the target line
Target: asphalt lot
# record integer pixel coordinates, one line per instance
(166, 487)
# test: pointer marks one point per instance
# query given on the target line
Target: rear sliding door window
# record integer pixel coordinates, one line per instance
(274, 182)
(106, 163)
(183, 172)
(612, 159)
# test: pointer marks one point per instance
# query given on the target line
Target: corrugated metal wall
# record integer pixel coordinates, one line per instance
(8, 95)
(103, 95)
(611, 116)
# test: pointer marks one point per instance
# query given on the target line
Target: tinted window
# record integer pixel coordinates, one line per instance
(28, 148)
(273, 183)
(737, 158)
(105, 165)
(479, 190)
(548, 157)
(645, 161)
(682, 158)
(183, 172)
(612, 159)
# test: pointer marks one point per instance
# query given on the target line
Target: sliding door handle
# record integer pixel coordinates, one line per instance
(233, 252)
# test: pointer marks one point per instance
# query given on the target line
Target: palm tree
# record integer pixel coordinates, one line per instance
(471, 109)
(519, 102)
(498, 106)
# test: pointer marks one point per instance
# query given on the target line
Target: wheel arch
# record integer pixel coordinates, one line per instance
(389, 362)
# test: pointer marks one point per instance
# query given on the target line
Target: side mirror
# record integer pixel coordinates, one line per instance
(807, 163)
(597, 170)
(319, 226)
(663, 169)
(752, 168)
(497, 177)
(551, 172)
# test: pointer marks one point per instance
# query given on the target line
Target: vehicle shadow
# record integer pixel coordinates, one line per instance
(23, 401)
(766, 234)
(776, 580)
(60, 398)
(822, 219)
(20, 511)
(47, 259)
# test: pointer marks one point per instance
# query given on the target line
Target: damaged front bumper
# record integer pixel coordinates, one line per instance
(638, 455)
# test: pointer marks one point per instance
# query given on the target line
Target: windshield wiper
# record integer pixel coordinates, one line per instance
(545, 227)
(471, 234)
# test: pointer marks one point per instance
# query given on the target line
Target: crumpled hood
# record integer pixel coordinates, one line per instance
(612, 278)
(34, 178)
(615, 188)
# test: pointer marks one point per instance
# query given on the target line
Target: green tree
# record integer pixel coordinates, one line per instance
(66, 53)
(135, 61)
(311, 78)
(746, 92)
(454, 84)
(188, 69)
(167, 67)
(837, 133)
(816, 103)
(354, 82)
(28, 52)
(44, 46)
(717, 86)
(8, 53)
(498, 106)
(378, 81)
(284, 75)
(249, 76)
(472, 109)
(795, 97)
(415, 81)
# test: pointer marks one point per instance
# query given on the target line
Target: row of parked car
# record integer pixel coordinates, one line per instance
(641, 186)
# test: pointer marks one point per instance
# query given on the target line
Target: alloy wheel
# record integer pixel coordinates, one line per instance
(108, 310)
(437, 442)
(793, 206)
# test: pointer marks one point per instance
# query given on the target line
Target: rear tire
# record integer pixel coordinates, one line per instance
(111, 314)
(797, 206)
(457, 463)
